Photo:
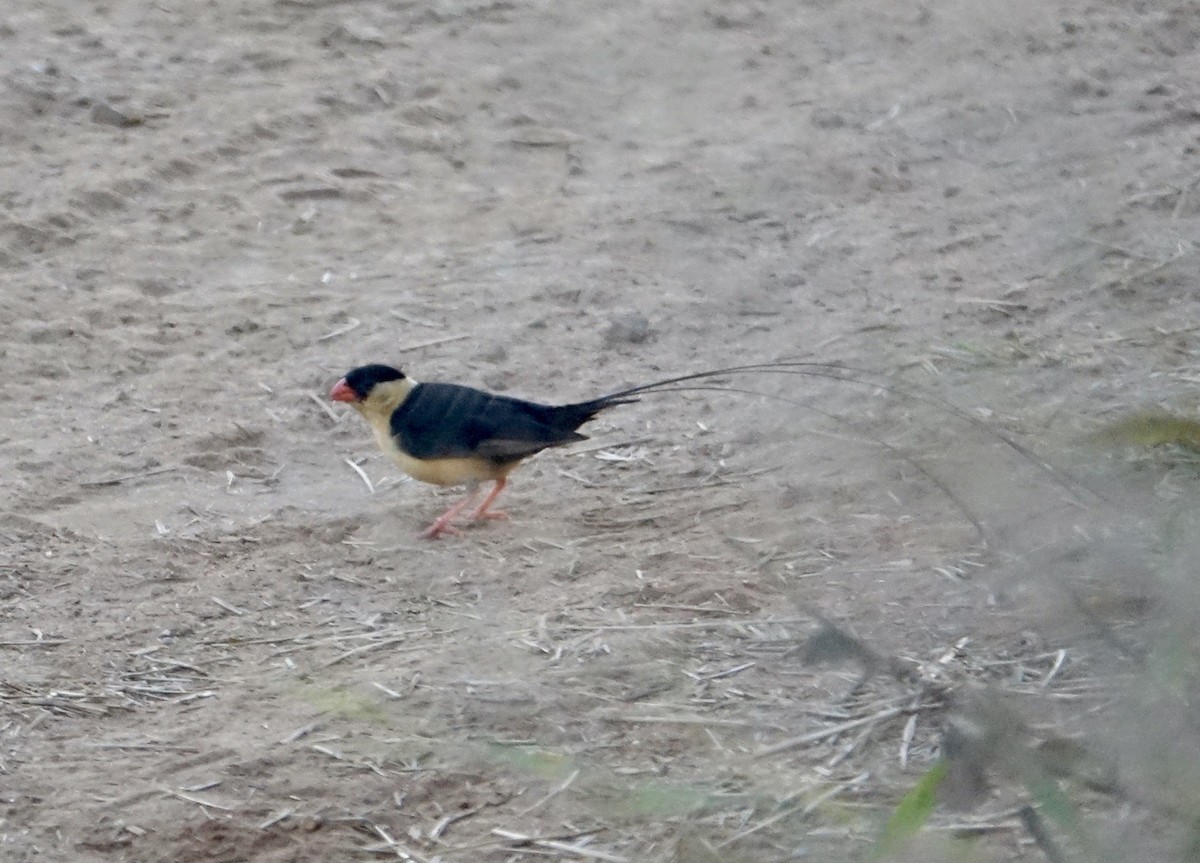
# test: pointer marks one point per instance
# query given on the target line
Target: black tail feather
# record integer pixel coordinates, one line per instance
(577, 414)
(860, 377)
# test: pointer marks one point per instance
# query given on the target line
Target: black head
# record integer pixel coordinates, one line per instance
(363, 379)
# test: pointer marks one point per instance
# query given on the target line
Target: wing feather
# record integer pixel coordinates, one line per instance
(451, 421)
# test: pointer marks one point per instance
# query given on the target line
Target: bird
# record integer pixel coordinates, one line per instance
(450, 434)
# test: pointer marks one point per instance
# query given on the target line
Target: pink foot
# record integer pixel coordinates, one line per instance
(440, 527)
(498, 514)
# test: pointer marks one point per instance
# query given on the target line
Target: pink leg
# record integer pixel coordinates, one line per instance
(441, 524)
(482, 512)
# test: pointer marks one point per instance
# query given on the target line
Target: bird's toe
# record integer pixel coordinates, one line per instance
(497, 514)
(439, 528)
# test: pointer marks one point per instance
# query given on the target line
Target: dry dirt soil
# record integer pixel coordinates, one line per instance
(729, 627)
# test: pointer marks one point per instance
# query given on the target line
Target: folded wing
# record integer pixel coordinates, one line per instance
(439, 421)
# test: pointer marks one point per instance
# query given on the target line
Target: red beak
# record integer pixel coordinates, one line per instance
(342, 392)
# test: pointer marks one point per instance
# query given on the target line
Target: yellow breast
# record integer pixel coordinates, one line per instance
(442, 471)
(377, 410)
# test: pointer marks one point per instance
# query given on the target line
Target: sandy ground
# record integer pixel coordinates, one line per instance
(218, 644)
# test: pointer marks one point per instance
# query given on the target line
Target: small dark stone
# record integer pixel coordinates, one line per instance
(107, 115)
(825, 119)
(632, 328)
(496, 353)
(497, 381)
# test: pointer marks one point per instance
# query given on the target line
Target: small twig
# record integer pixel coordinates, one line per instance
(364, 648)
(199, 801)
(803, 809)
(354, 324)
(833, 792)
(910, 729)
(302, 731)
(203, 786)
(117, 480)
(700, 624)
(148, 745)
(1016, 304)
(276, 818)
(813, 736)
(390, 693)
(440, 828)
(728, 672)
(1053, 672)
(362, 474)
(319, 402)
(390, 844)
(429, 344)
(421, 322)
(233, 609)
(570, 848)
(553, 793)
(617, 445)
(848, 749)
(587, 483)
(666, 606)
(685, 720)
(325, 750)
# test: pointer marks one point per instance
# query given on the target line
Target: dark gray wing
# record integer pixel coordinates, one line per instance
(451, 421)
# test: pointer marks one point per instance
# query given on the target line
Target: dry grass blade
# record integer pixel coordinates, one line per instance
(438, 829)
(325, 409)
(410, 319)
(230, 607)
(64, 702)
(391, 846)
(366, 648)
(332, 753)
(129, 477)
(558, 789)
(361, 473)
(1059, 659)
(199, 801)
(813, 736)
(969, 828)
(802, 809)
(281, 815)
(433, 342)
(354, 324)
(302, 731)
(698, 624)
(910, 728)
(596, 447)
(728, 672)
(144, 745)
(562, 847)
(685, 720)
